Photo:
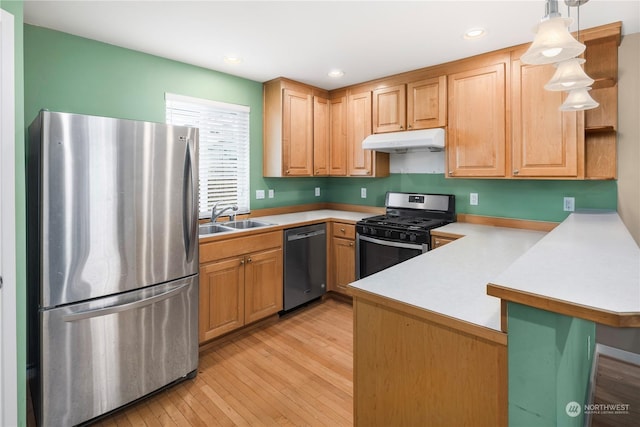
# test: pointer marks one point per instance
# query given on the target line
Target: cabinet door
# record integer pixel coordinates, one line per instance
(427, 103)
(545, 140)
(338, 136)
(476, 143)
(320, 136)
(344, 261)
(221, 297)
(389, 113)
(297, 133)
(263, 284)
(358, 128)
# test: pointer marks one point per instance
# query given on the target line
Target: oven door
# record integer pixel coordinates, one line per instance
(373, 255)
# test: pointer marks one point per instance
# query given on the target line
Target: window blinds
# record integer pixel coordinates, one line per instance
(223, 148)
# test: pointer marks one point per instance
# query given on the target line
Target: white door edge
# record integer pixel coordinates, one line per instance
(8, 326)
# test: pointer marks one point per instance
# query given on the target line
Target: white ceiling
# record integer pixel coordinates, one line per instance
(303, 40)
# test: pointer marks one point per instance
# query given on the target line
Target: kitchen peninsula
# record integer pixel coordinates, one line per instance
(438, 343)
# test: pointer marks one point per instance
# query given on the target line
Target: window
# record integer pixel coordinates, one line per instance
(223, 149)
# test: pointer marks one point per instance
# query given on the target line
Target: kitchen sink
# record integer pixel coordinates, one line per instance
(212, 229)
(246, 223)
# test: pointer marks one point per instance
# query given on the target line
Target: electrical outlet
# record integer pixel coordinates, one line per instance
(259, 194)
(569, 204)
(363, 193)
(272, 194)
(317, 191)
(473, 199)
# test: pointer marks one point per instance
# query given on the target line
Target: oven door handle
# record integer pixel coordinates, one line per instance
(390, 243)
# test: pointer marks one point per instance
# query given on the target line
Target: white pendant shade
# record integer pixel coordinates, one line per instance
(579, 99)
(569, 75)
(552, 43)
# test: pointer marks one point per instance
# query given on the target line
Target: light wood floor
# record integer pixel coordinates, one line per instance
(297, 371)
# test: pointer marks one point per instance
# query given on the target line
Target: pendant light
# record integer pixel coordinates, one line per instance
(569, 75)
(579, 99)
(553, 41)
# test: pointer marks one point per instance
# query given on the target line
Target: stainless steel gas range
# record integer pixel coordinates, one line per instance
(402, 232)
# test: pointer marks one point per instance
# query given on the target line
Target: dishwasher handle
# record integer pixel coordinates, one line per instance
(299, 236)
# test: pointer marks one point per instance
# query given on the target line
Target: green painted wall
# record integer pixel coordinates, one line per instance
(550, 357)
(536, 200)
(15, 7)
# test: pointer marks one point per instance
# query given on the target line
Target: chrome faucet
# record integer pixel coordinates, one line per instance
(215, 213)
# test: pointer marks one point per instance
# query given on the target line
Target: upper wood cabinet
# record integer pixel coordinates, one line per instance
(416, 105)
(321, 135)
(427, 103)
(288, 127)
(338, 136)
(546, 142)
(477, 131)
(362, 162)
(389, 105)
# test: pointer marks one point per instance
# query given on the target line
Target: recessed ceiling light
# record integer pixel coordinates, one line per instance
(232, 59)
(335, 73)
(474, 33)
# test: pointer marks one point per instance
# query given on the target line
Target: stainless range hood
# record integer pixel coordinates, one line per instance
(407, 141)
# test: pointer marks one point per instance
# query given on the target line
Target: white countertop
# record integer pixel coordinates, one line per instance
(452, 279)
(590, 259)
(317, 215)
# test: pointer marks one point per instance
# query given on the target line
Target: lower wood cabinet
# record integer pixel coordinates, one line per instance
(240, 282)
(343, 256)
(439, 240)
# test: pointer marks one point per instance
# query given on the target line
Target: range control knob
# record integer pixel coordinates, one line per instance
(403, 236)
(387, 233)
(412, 237)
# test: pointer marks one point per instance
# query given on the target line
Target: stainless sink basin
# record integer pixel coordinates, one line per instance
(246, 223)
(212, 229)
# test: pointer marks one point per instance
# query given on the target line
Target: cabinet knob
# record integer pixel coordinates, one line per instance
(241, 261)
(409, 126)
(401, 127)
(516, 172)
(287, 172)
(248, 259)
(450, 172)
(342, 229)
(350, 243)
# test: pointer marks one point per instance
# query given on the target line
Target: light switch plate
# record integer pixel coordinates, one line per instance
(363, 192)
(272, 194)
(259, 194)
(473, 199)
(317, 192)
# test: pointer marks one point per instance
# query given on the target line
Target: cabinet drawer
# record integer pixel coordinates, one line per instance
(341, 229)
(235, 246)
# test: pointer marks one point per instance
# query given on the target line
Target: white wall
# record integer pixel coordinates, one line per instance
(629, 133)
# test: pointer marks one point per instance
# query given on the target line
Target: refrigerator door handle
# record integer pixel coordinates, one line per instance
(189, 203)
(88, 314)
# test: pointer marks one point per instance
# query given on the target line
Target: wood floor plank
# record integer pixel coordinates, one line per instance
(297, 371)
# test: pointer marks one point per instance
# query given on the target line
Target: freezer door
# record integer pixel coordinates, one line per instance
(118, 205)
(99, 355)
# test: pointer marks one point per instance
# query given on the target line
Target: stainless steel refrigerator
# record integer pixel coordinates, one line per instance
(112, 262)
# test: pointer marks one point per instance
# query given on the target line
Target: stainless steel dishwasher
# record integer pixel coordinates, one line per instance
(305, 264)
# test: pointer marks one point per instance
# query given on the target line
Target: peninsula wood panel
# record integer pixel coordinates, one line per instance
(321, 134)
(411, 372)
(545, 140)
(477, 131)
